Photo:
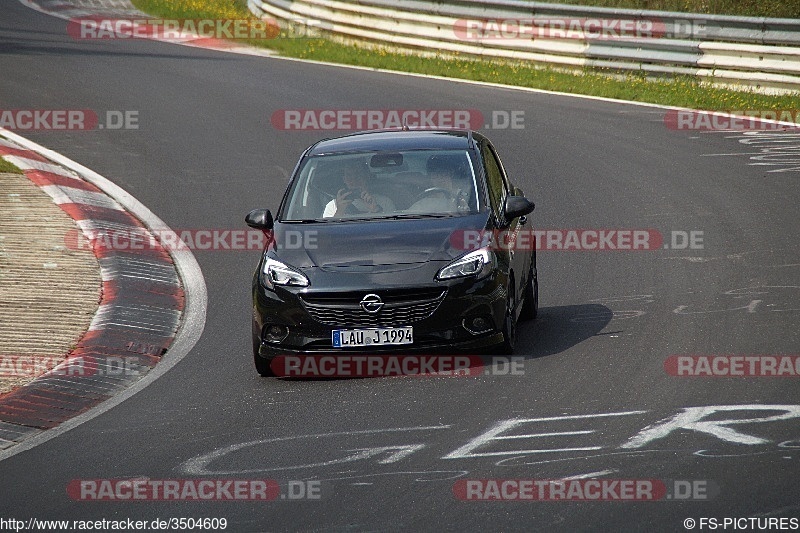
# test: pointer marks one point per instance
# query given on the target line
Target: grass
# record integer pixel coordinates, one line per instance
(683, 91)
(746, 8)
(5, 166)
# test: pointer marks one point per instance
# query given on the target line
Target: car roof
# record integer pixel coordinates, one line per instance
(368, 141)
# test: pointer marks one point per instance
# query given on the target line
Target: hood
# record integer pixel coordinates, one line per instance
(374, 246)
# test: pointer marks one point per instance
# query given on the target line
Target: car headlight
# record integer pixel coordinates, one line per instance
(478, 263)
(277, 273)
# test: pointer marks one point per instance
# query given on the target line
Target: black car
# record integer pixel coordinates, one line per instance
(387, 242)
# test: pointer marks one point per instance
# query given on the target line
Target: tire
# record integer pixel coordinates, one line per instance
(530, 302)
(509, 325)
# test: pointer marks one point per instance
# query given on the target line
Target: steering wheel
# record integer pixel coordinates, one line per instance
(435, 190)
(316, 188)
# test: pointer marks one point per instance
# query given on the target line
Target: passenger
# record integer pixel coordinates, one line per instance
(444, 195)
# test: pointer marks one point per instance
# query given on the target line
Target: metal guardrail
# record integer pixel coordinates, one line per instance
(757, 52)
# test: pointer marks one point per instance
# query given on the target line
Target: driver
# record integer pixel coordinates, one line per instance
(355, 198)
(444, 195)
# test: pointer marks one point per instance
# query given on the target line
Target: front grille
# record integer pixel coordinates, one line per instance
(401, 307)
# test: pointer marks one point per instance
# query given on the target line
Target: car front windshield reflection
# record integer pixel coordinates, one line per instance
(381, 185)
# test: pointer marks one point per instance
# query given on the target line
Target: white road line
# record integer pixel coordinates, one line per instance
(590, 475)
(198, 465)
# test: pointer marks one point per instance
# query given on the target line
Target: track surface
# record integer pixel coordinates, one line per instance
(205, 154)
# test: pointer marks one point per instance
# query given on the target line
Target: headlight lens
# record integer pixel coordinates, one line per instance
(478, 263)
(277, 273)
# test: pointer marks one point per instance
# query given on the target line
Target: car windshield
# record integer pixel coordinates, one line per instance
(379, 185)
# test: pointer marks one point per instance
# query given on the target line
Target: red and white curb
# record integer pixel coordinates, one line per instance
(140, 311)
(72, 10)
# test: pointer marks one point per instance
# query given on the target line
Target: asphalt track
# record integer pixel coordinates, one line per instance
(205, 154)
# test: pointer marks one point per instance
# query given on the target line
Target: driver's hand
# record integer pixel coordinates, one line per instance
(461, 201)
(343, 200)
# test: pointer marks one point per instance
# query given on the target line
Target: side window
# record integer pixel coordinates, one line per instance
(494, 178)
(509, 188)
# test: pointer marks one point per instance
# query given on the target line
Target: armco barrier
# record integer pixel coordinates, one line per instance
(757, 52)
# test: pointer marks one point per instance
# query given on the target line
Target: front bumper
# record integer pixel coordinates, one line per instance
(442, 331)
(269, 351)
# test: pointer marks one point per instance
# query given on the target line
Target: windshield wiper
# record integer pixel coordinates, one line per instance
(401, 216)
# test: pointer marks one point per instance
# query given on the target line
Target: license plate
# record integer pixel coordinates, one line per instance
(346, 338)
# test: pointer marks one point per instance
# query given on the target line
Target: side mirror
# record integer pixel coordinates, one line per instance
(517, 206)
(259, 219)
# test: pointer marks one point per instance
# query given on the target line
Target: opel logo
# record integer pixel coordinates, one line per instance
(371, 303)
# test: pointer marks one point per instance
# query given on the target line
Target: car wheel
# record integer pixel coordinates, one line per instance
(509, 324)
(262, 364)
(530, 304)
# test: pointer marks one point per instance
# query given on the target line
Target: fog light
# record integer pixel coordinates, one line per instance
(275, 333)
(478, 324)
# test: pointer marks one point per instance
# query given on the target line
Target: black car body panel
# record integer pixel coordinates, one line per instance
(400, 242)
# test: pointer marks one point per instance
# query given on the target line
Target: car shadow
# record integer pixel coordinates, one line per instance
(557, 329)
